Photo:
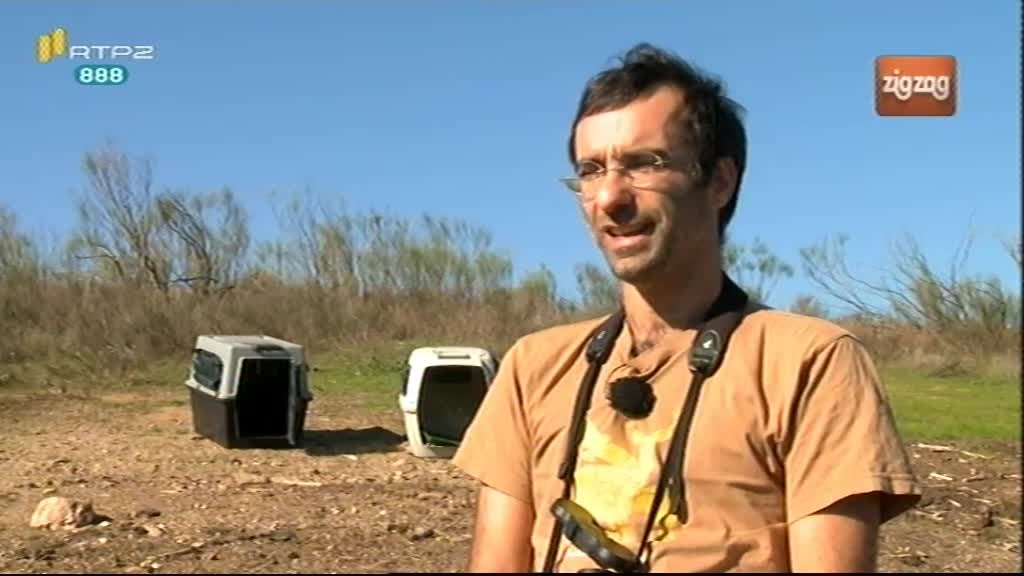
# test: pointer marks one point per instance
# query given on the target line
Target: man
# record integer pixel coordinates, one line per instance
(793, 460)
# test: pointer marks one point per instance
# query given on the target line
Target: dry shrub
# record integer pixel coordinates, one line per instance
(146, 271)
(944, 323)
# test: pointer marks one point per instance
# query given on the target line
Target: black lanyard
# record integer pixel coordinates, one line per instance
(705, 357)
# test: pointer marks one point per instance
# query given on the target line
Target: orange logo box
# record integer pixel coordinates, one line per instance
(915, 85)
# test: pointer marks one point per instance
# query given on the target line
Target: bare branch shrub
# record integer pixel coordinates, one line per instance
(949, 313)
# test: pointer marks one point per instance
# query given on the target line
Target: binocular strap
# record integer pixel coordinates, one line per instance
(597, 353)
(705, 357)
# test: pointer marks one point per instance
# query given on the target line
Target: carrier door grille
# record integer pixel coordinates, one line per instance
(448, 400)
(263, 399)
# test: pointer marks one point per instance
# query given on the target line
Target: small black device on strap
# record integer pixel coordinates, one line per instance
(706, 354)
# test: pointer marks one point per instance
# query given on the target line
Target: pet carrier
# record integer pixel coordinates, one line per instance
(442, 388)
(249, 391)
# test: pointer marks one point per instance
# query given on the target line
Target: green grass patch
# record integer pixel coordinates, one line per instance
(168, 372)
(927, 407)
(954, 408)
(372, 379)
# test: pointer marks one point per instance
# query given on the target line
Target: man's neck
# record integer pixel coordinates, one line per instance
(654, 309)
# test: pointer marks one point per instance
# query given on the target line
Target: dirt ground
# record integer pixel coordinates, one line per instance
(352, 500)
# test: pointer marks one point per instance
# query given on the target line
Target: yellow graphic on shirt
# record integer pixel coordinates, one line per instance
(616, 484)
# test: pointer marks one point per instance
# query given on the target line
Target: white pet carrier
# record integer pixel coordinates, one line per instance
(441, 392)
(249, 391)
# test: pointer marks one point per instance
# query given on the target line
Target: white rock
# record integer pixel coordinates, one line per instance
(59, 512)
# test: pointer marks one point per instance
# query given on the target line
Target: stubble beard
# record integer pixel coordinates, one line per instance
(641, 266)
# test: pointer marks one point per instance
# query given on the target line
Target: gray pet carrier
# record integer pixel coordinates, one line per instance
(249, 391)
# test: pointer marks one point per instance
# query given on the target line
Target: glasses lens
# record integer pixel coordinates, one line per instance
(644, 171)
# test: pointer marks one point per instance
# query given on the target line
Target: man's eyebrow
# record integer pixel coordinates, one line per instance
(581, 159)
(629, 153)
(646, 151)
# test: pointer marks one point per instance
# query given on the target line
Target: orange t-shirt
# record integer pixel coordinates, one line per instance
(795, 419)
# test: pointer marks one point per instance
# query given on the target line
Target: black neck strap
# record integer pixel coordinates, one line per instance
(706, 355)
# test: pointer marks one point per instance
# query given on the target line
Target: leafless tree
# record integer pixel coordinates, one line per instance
(118, 226)
(208, 237)
(756, 268)
(957, 309)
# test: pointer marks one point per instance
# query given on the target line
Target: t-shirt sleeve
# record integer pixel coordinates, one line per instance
(842, 437)
(496, 446)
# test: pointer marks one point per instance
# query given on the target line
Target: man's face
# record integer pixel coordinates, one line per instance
(668, 223)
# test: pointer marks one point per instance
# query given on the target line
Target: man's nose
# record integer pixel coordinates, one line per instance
(613, 192)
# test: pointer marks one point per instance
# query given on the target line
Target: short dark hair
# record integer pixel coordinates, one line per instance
(713, 124)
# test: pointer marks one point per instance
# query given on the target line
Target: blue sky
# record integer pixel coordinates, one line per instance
(462, 109)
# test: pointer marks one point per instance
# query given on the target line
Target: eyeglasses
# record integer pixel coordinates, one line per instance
(641, 170)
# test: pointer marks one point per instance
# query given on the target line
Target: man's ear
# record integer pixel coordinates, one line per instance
(723, 182)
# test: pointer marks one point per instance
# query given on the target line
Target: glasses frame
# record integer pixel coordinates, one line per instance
(661, 164)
